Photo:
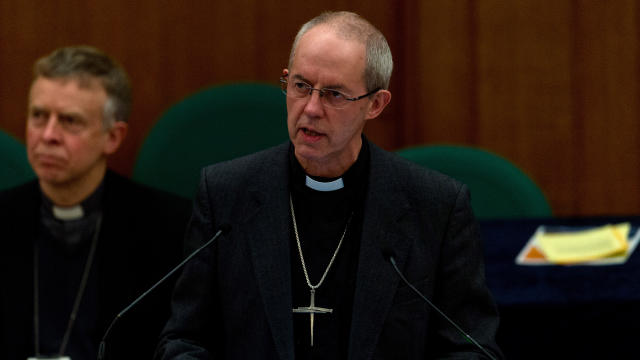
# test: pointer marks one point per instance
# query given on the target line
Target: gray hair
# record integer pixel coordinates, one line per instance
(83, 63)
(378, 59)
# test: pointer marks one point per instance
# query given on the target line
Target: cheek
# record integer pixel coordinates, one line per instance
(293, 108)
(83, 148)
(349, 128)
(293, 114)
(32, 132)
(32, 137)
(291, 123)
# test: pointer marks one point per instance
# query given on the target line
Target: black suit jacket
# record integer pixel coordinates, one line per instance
(234, 301)
(140, 240)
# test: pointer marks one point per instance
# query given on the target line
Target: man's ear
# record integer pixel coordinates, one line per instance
(115, 137)
(379, 101)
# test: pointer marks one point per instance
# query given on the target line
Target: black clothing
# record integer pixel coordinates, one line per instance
(140, 241)
(322, 217)
(234, 300)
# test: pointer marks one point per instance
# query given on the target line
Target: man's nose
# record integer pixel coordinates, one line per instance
(314, 103)
(52, 130)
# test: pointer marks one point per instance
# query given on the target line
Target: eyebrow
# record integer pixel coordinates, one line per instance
(73, 114)
(329, 87)
(37, 108)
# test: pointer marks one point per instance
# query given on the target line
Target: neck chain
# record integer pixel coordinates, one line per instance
(304, 266)
(76, 304)
(312, 309)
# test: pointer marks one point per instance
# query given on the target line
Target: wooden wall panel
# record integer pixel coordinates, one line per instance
(439, 83)
(605, 82)
(549, 84)
(524, 91)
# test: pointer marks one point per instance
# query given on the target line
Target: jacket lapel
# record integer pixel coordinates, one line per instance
(24, 217)
(385, 226)
(267, 231)
(115, 287)
(386, 223)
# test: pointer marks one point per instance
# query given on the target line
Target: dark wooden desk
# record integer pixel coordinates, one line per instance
(561, 312)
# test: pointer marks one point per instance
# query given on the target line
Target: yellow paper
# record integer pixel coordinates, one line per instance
(585, 245)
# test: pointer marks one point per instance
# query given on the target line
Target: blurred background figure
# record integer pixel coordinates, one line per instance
(80, 242)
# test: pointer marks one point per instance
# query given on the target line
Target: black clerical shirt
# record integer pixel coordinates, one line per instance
(63, 247)
(321, 219)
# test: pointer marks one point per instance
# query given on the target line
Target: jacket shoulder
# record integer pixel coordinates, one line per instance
(23, 196)
(241, 172)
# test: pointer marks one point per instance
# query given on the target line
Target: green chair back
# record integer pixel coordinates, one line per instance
(14, 166)
(215, 124)
(499, 189)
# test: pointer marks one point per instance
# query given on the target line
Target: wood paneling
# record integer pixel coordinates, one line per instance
(605, 83)
(524, 91)
(550, 84)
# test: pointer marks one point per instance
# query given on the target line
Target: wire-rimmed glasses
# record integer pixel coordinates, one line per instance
(333, 98)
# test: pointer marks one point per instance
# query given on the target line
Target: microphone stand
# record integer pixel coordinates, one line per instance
(466, 336)
(101, 349)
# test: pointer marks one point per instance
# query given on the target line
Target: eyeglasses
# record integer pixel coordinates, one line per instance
(329, 97)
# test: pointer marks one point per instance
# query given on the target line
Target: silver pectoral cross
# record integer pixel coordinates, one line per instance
(312, 310)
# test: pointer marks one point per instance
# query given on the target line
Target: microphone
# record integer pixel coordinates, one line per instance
(388, 254)
(224, 229)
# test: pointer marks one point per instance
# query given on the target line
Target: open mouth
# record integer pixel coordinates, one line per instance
(309, 132)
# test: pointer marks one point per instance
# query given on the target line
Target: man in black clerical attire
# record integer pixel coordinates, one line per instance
(81, 242)
(301, 274)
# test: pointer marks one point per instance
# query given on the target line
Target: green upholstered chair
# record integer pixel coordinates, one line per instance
(217, 123)
(499, 189)
(14, 166)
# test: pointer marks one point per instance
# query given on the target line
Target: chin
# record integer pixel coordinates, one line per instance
(308, 151)
(51, 176)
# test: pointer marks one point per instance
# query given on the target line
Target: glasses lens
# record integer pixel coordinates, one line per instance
(296, 89)
(299, 89)
(334, 98)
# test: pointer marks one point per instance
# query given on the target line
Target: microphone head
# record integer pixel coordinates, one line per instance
(387, 249)
(225, 228)
(388, 253)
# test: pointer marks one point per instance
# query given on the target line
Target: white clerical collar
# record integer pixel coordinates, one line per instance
(68, 213)
(324, 186)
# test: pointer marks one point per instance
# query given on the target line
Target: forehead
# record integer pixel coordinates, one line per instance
(326, 58)
(85, 94)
